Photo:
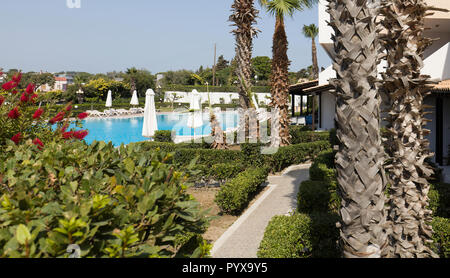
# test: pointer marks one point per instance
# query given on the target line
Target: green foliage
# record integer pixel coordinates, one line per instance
(123, 202)
(441, 236)
(225, 171)
(262, 67)
(313, 196)
(439, 195)
(295, 154)
(163, 136)
(298, 135)
(300, 236)
(235, 195)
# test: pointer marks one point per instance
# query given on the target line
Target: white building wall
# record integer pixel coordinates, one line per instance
(328, 111)
(437, 64)
(184, 97)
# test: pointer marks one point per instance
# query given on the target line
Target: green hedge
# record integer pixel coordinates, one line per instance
(295, 154)
(235, 195)
(441, 236)
(301, 236)
(298, 135)
(163, 136)
(316, 196)
(439, 195)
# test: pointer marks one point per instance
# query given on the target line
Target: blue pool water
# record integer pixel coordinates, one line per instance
(129, 130)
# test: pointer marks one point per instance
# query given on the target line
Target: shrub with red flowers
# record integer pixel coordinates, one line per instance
(23, 117)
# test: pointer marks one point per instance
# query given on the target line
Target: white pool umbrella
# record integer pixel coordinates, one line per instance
(109, 99)
(134, 98)
(195, 100)
(150, 121)
(255, 102)
(195, 118)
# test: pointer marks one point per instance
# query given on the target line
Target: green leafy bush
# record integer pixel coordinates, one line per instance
(441, 236)
(111, 202)
(313, 196)
(235, 195)
(323, 169)
(295, 154)
(301, 236)
(298, 135)
(225, 171)
(439, 195)
(163, 136)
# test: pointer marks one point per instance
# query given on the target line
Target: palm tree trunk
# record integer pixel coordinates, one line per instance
(280, 80)
(314, 60)
(217, 134)
(359, 161)
(406, 143)
(244, 16)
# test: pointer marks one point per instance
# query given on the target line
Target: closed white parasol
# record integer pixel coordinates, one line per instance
(150, 121)
(109, 99)
(134, 98)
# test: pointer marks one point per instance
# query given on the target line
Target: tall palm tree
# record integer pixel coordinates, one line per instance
(131, 72)
(280, 62)
(406, 144)
(311, 31)
(244, 16)
(359, 160)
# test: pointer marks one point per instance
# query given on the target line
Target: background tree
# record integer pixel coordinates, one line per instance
(406, 143)
(360, 158)
(311, 31)
(131, 76)
(140, 80)
(261, 66)
(280, 62)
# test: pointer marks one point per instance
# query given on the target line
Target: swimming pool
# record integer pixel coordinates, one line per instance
(129, 130)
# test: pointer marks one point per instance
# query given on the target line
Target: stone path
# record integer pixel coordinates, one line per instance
(242, 239)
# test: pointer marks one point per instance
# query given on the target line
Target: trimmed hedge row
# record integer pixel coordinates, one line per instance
(295, 154)
(300, 236)
(441, 236)
(439, 195)
(235, 195)
(311, 232)
(298, 135)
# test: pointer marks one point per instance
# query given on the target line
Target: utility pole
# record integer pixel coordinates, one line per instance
(214, 67)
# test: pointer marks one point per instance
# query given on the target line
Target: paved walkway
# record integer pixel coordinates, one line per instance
(242, 239)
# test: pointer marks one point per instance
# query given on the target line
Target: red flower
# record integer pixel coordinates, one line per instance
(2, 99)
(24, 98)
(16, 138)
(83, 116)
(14, 114)
(33, 97)
(9, 85)
(38, 143)
(38, 113)
(14, 92)
(68, 135)
(68, 108)
(16, 78)
(30, 88)
(59, 117)
(80, 134)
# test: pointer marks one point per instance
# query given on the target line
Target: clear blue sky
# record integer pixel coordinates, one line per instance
(107, 35)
